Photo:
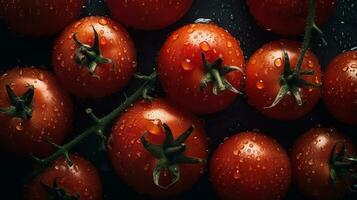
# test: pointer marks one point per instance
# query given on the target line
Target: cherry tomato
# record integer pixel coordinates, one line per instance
(288, 17)
(61, 181)
(340, 87)
(27, 123)
(264, 81)
(251, 166)
(148, 14)
(40, 17)
(94, 57)
(314, 158)
(149, 124)
(200, 68)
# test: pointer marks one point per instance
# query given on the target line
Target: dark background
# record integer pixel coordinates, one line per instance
(341, 34)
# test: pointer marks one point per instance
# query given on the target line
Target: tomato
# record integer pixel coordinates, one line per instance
(340, 87)
(313, 162)
(200, 68)
(148, 14)
(251, 166)
(61, 180)
(264, 73)
(40, 17)
(148, 125)
(288, 17)
(28, 123)
(94, 57)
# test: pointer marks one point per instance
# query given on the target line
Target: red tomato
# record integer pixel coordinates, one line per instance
(131, 160)
(263, 81)
(340, 87)
(288, 17)
(182, 68)
(40, 17)
(94, 68)
(250, 166)
(148, 14)
(81, 180)
(312, 165)
(47, 116)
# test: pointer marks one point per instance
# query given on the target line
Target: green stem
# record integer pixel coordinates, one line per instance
(99, 127)
(308, 34)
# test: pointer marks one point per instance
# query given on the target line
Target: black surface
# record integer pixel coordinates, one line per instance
(341, 34)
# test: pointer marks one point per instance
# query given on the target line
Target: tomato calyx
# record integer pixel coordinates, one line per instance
(215, 73)
(343, 167)
(55, 192)
(169, 155)
(291, 82)
(21, 106)
(89, 56)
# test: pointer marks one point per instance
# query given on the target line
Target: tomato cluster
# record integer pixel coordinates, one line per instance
(158, 146)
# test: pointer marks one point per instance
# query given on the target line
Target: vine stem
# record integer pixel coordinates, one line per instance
(98, 128)
(308, 33)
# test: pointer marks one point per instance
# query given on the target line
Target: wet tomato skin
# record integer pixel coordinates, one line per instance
(181, 69)
(251, 166)
(263, 73)
(51, 116)
(114, 43)
(279, 15)
(147, 14)
(340, 87)
(131, 160)
(41, 17)
(81, 178)
(310, 163)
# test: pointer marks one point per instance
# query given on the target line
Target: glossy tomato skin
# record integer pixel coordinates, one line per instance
(288, 17)
(250, 166)
(263, 73)
(181, 69)
(114, 43)
(41, 17)
(148, 14)
(340, 87)
(131, 160)
(310, 163)
(51, 116)
(81, 178)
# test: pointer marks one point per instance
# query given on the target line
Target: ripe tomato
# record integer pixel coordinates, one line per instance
(94, 57)
(40, 17)
(130, 156)
(313, 162)
(200, 68)
(79, 180)
(250, 166)
(264, 74)
(148, 14)
(288, 17)
(340, 87)
(30, 122)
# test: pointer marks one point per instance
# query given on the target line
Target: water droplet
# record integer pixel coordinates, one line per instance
(235, 152)
(278, 62)
(345, 68)
(260, 84)
(229, 44)
(354, 66)
(205, 46)
(253, 61)
(103, 21)
(187, 65)
(19, 126)
(175, 37)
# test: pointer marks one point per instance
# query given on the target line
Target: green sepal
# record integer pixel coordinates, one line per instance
(21, 106)
(88, 56)
(170, 155)
(57, 193)
(215, 73)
